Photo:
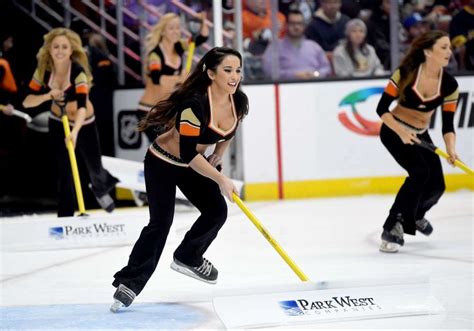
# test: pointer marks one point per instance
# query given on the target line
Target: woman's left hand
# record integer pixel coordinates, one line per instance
(215, 160)
(72, 138)
(453, 156)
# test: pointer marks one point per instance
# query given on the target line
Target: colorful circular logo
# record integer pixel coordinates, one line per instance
(364, 126)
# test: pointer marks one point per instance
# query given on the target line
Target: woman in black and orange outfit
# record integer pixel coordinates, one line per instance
(164, 63)
(203, 111)
(63, 78)
(420, 85)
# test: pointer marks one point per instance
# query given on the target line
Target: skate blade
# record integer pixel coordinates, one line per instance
(388, 247)
(116, 306)
(189, 273)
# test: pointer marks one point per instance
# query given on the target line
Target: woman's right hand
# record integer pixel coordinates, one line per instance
(56, 94)
(408, 136)
(227, 187)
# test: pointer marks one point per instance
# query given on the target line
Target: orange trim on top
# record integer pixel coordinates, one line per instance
(104, 63)
(450, 106)
(187, 129)
(154, 66)
(34, 85)
(391, 89)
(82, 88)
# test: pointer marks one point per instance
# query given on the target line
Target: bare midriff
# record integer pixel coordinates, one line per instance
(154, 93)
(169, 141)
(71, 110)
(412, 117)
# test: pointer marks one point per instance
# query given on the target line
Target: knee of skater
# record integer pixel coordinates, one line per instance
(441, 187)
(218, 212)
(420, 175)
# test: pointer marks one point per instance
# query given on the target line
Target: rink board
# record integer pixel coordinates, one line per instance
(331, 305)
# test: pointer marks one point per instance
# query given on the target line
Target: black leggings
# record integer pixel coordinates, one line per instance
(87, 147)
(161, 179)
(424, 185)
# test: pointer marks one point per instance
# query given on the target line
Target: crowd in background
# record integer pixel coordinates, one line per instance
(312, 39)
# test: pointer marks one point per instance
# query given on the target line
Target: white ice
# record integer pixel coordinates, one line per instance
(333, 239)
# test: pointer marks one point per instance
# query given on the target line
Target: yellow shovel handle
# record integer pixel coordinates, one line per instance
(75, 171)
(457, 163)
(189, 60)
(270, 239)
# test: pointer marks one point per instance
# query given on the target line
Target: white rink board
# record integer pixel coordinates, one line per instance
(316, 145)
(308, 307)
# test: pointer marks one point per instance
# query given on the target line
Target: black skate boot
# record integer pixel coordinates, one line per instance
(105, 201)
(205, 272)
(123, 297)
(424, 226)
(393, 239)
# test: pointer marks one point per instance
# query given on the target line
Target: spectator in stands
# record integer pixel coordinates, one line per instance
(353, 57)
(8, 87)
(461, 32)
(328, 25)
(257, 25)
(306, 7)
(299, 57)
(62, 79)
(415, 25)
(164, 63)
(101, 95)
(378, 28)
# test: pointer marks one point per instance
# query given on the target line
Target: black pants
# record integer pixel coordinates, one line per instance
(161, 179)
(87, 147)
(424, 185)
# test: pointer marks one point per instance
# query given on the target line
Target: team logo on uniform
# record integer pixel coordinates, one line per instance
(291, 308)
(358, 123)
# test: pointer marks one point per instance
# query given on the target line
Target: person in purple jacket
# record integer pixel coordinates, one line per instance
(299, 57)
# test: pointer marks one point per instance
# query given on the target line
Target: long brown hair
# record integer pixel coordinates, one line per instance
(416, 56)
(164, 112)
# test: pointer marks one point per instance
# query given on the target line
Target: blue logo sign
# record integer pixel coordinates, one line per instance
(291, 308)
(57, 232)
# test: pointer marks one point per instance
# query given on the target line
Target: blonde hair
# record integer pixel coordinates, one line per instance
(45, 61)
(154, 37)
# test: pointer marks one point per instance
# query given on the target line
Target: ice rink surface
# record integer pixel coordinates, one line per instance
(333, 239)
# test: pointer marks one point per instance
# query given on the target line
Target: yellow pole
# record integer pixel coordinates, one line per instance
(270, 239)
(75, 171)
(457, 163)
(189, 60)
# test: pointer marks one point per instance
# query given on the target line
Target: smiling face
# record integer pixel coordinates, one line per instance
(61, 49)
(172, 30)
(440, 52)
(227, 75)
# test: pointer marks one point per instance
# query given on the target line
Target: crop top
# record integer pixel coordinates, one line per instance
(195, 126)
(77, 90)
(446, 96)
(158, 66)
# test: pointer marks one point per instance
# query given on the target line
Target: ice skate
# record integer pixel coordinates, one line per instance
(123, 297)
(105, 201)
(392, 240)
(206, 272)
(424, 226)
